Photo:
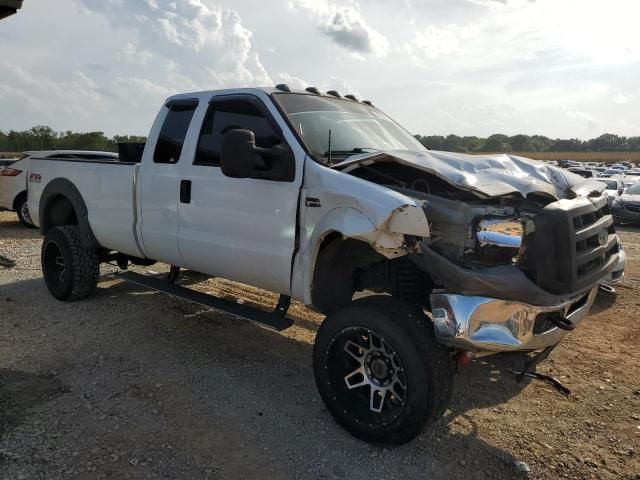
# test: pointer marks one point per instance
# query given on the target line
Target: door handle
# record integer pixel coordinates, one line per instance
(185, 191)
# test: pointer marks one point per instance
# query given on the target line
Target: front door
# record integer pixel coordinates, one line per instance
(242, 229)
(158, 183)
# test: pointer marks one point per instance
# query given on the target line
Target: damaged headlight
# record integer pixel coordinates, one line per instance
(498, 241)
(500, 233)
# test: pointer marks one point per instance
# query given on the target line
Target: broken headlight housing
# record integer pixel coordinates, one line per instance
(498, 241)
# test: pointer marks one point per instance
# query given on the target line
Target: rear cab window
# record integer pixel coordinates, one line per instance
(174, 130)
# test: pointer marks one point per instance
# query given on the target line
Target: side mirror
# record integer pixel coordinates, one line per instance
(237, 154)
(620, 191)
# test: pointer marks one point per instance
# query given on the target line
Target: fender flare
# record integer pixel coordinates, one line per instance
(14, 204)
(65, 188)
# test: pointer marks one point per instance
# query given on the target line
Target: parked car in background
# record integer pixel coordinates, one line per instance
(626, 207)
(583, 172)
(4, 162)
(615, 187)
(13, 177)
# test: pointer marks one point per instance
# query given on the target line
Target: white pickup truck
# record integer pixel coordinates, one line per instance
(317, 197)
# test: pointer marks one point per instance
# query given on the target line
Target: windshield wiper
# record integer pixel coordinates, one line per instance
(353, 151)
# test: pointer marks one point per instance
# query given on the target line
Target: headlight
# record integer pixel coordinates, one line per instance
(499, 241)
(500, 233)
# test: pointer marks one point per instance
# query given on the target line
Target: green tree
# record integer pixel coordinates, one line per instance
(433, 142)
(521, 143)
(633, 144)
(608, 142)
(497, 143)
(568, 145)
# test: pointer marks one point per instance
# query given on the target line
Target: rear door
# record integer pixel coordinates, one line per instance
(158, 184)
(243, 229)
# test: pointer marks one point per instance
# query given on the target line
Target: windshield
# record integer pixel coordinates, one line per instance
(611, 184)
(634, 189)
(355, 127)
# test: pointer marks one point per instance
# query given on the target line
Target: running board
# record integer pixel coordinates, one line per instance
(273, 320)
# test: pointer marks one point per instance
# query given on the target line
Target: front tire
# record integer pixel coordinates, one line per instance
(380, 371)
(70, 269)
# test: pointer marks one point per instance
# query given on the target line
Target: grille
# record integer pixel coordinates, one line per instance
(633, 208)
(575, 244)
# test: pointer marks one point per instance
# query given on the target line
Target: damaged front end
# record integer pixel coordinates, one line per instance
(514, 265)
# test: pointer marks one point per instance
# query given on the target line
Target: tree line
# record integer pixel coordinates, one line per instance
(45, 138)
(607, 142)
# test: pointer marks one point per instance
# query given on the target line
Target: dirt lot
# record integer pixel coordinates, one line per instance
(136, 384)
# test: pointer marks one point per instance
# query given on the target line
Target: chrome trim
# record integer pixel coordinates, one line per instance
(482, 324)
(617, 274)
(499, 233)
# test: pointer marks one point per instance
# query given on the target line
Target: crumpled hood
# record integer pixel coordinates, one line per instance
(487, 175)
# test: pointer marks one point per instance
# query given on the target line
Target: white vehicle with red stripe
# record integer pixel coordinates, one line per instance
(13, 178)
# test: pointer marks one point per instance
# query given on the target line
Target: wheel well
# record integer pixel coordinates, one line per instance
(345, 266)
(59, 211)
(18, 198)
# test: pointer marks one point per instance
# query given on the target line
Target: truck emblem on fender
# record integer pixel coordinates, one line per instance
(35, 178)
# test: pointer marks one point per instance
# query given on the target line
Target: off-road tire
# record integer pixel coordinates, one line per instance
(429, 367)
(80, 265)
(24, 219)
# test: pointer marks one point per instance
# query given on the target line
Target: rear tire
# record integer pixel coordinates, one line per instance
(380, 371)
(70, 269)
(22, 209)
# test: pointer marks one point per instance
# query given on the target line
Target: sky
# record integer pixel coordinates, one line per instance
(560, 68)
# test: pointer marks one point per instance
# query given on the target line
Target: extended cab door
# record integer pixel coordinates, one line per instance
(243, 229)
(159, 181)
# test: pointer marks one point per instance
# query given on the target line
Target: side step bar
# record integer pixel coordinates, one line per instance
(274, 320)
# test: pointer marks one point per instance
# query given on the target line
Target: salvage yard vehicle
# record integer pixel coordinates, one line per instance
(318, 196)
(626, 206)
(13, 178)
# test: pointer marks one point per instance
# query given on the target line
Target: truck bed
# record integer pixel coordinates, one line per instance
(108, 189)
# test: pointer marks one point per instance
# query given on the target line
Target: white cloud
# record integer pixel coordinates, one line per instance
(294, 82)
(621, 99)
(434, 42)
(208, 42)
(48, 98)
(133, 54)
(346, 26)
(493, 65)
(500, 3)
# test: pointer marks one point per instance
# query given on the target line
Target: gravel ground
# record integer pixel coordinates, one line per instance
(135, 384)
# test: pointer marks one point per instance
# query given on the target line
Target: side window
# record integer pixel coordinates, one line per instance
(173, 133)
(224, 116)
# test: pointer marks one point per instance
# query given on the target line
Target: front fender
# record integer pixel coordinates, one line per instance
(386, 236)
(346, 221)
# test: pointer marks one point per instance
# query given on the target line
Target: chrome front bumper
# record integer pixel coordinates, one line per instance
(483, 324)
